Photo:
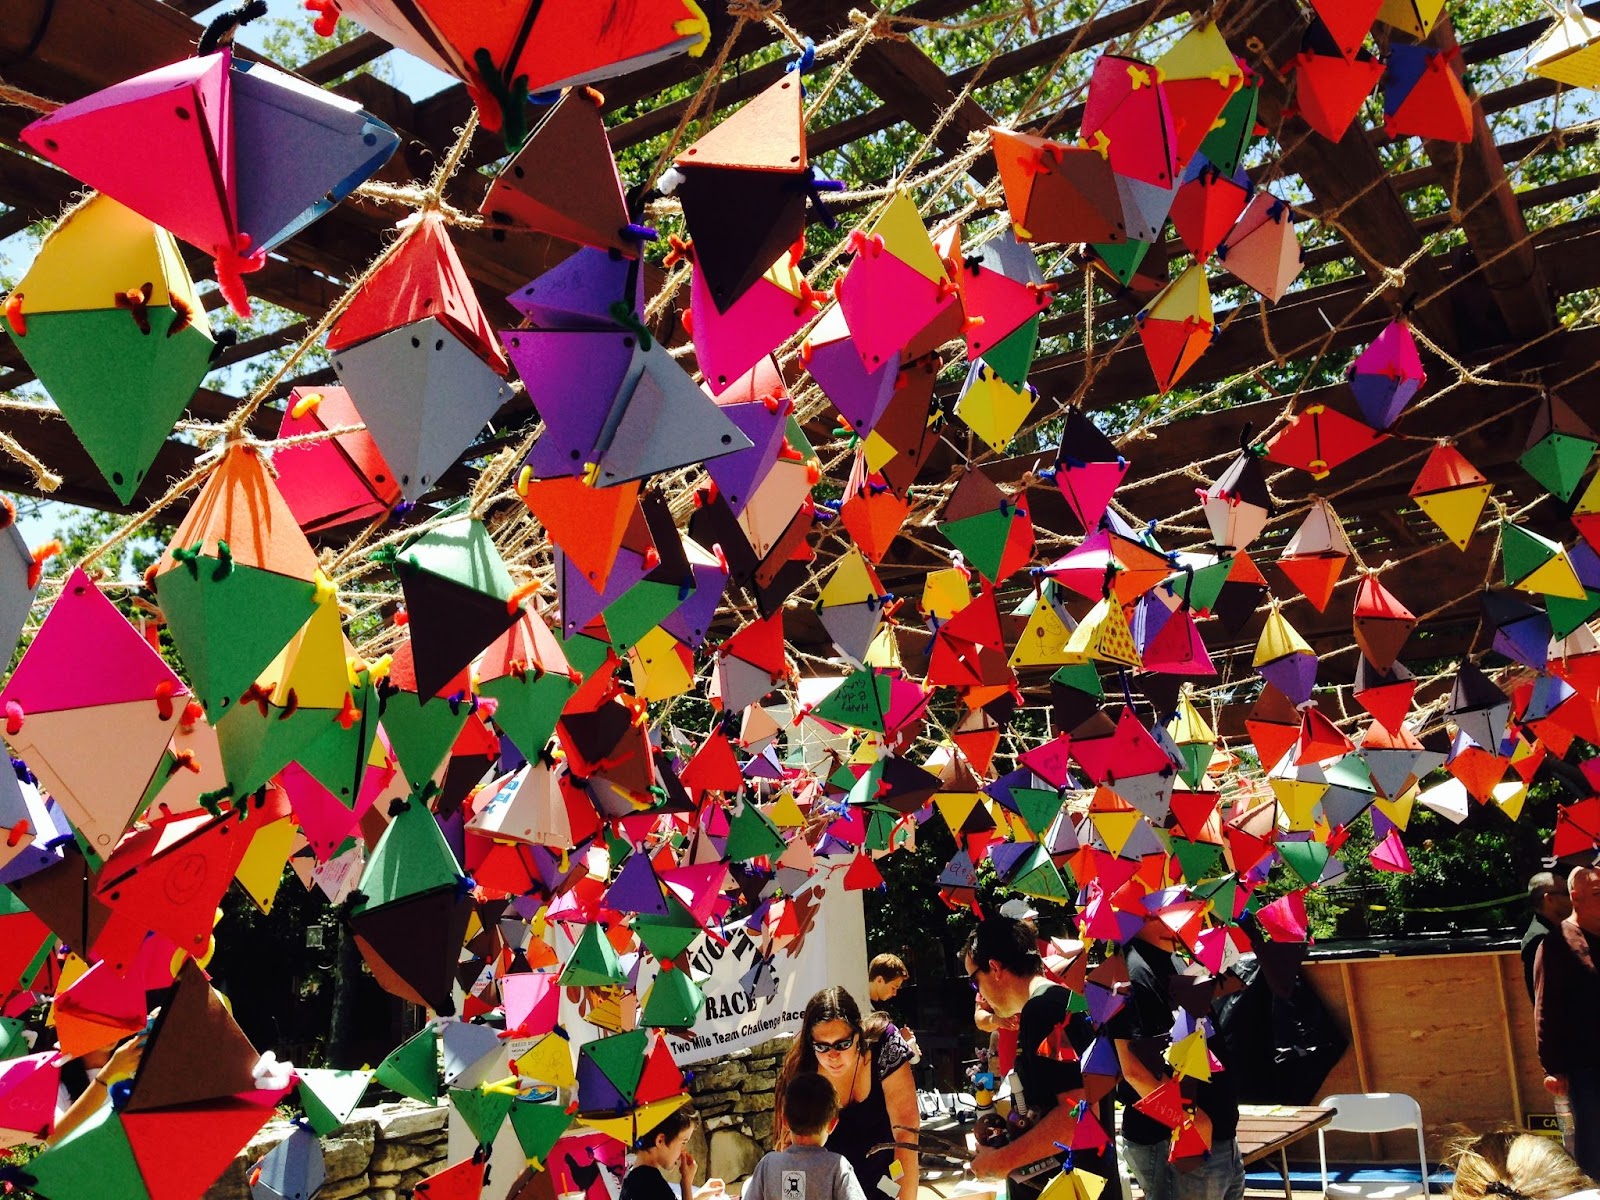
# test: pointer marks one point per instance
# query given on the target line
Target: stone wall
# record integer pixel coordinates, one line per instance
(378, 1154)
(734, 1096)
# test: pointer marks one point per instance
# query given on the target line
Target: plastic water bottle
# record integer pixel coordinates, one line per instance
(1569, 1129)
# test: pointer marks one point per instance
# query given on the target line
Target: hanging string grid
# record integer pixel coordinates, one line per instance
(524, 547)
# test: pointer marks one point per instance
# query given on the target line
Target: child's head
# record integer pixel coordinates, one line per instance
(1515, 1166)
(810, 1105)
(664, 1145)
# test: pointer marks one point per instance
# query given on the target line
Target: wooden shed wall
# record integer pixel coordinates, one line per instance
(1455, 1031)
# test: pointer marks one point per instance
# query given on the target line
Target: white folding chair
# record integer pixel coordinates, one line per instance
(1372, 1112)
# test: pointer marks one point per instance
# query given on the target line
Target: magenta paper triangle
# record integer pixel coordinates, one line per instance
(1050, 761)
(86, 655)
(160, 143)
(697, 887)
(728, 344)
(1088, 488)
(1004, 304)
(1390, 854)
(325, 819)
(886, 304)
(532, 1001)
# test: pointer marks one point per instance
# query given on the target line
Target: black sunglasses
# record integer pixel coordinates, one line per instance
(838, 1047)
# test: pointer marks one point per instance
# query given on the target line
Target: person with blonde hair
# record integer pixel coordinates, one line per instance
(1510, 1165)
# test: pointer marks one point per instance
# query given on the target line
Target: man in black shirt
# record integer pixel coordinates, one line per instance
(1002, 960)
(1551, 904)
(1567, 997)
(1143, 1032)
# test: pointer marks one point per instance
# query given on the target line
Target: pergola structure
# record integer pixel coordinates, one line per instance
(1485, 294)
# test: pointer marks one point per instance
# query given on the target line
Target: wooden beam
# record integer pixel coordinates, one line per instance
(1492, 219)
(341, 60)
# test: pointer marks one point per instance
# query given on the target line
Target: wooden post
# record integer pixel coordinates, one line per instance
(1496, 961)
(1355, 1044)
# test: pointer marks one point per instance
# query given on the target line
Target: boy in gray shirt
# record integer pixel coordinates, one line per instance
(805, 1171)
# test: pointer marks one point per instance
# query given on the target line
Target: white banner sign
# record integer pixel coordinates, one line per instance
(833, 950)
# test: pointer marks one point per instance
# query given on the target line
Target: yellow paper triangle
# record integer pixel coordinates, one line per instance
(1189, 295)
(956, 807)
(313, 664)
(884, 650)
(261, 869)
(549, 1060)
(993, 409)
(852, 581)
(1189, 728)
(1115, 828)
(102, 249)
(1075, 1184)
(1043, 641)
(637, 1124)
(1202, 53)
(1415, 17)
(1510, 796)
(785, 813)
(1298, 800)
(1456, 511)
(658, 671)
(1555, 578)
(906, 237)
(1278, 639)
(785, 274)
(945, 593)
(1399, 811)
(1189, 1057)
(1103, 634)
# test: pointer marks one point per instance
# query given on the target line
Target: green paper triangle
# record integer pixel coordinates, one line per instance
(1198, 859)
(1223, 894)
(1231, 136)
(120, 390)
(1567, 614)
(880, 828)
(1196, 758)
(1012, 357)
(1558, 461)
(421, 733)
(229, 630)
(640, 609)
(94, 1160)
(586, 654)
(329, 1097)
(621, 1059)
(538, 1127)
(860, 701)
(1080, 677)
(412, 1068)
(337, 757)
(1523, 552)
(1305, 859)
(669, 936)
(12, 1043)
(981, 540)
(255, 747)
(1122, 259)
(673, 1001)
(751, 835)
(1205, 589)
(528, 708)
(484, 1112)
(411, 858)
(1037, 876)
(593, 962)
(1039, 808)
(462, 552)
(1351, 772)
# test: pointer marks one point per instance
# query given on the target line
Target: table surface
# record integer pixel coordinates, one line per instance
(1264, 1129)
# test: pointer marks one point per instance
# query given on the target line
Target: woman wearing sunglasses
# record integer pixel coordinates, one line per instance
(869, 1065)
